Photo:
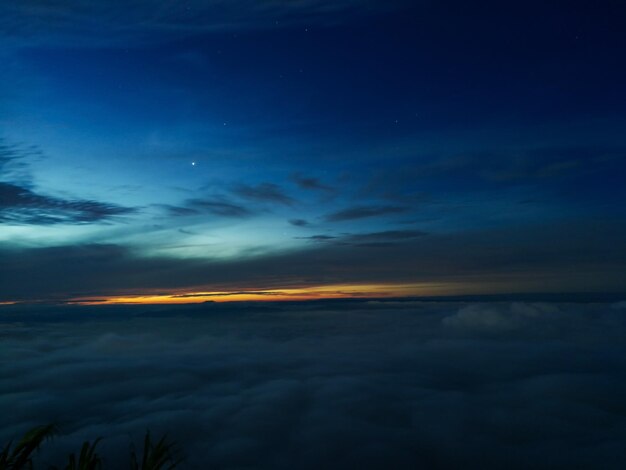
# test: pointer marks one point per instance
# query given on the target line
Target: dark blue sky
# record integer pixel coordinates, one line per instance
(350, 147)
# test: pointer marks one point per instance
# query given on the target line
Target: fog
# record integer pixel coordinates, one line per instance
(325, 385)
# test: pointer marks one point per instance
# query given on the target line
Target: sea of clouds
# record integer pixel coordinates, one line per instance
(325, 385)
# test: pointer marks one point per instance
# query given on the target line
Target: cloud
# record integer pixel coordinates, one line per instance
(299, 222)
(312, 184)
(179, 211)
(98, 24)
(529, 165)
(547, 258)
(362, 212)
(494, 318)
(265, 192)
(551, 175)
(323, 385)
(387, 235)
(385, 239)
(20, 205)
(218, 206)
(14, 161)
(9, 153)
(318, 238)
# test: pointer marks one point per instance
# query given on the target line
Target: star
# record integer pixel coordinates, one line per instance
(193, 163)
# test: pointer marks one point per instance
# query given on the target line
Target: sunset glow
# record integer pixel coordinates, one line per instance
(310, 293)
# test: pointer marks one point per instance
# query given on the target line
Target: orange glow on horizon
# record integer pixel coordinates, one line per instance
(297, 294)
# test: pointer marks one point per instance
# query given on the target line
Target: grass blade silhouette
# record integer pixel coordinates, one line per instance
(159, 455)
(87, 459)
(20, 458)
(156, 456)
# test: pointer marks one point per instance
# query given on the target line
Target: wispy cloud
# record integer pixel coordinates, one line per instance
(318, 238)
(218, 206)
(529, 165)
(179, 211)
(385, 239)
(312, 184)
(20, 205)
(299, 222)
(15, 159)
(362, 212)
(388, 235)
(389, 238)
(264, 192)
(23, 204)
(60, 23)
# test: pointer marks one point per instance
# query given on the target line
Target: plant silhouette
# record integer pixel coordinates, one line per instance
(87, 459)
(156, 456)
(20, 457)
(159, 455)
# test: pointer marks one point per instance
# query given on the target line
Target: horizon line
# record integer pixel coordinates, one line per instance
(574, 297)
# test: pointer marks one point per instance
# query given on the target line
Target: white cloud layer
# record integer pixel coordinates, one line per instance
(327, 385)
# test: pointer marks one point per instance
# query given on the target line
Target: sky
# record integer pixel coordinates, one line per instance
(209, 150)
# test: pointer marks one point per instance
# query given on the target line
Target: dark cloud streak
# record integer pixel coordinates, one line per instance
(264, 192)
(362, 212)
(312, 184)
(298, 222)
(20, 205)
(218, 206)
